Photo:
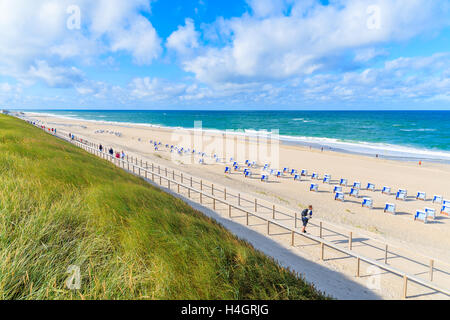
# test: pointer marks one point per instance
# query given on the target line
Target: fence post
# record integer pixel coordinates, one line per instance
(229, 210)
(322, 249)
(191, 182)
(212, 189)
(214, 204)
(405, 286)
(273, 212)
(165, 170)
(181, 177)
(320, 229)
(386, 255)
(225, 194)
(292, 239)
(295, 223)
(173, 175)
(201, 198)
(247, 218)
(431, 269)
(256, 205)
(189, 192)
(201, 185)
(268, 227)
(239, 199)
(350, 240)
(358, 263)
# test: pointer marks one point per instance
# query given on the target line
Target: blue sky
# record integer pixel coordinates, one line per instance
(236, 54)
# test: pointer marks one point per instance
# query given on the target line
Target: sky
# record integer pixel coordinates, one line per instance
(217, 55)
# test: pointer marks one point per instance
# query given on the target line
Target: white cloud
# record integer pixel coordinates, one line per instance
(56, 76)
(184, 39)
(312, 38)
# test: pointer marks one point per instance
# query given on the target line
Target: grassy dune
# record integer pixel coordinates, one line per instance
(61, 206)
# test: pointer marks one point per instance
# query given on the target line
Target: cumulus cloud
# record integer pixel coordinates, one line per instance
(311, 37)
(184, 39)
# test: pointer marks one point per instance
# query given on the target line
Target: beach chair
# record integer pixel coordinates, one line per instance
(279, 174)
(445, 210)
(343, 182)
(297, 177)
(231, 159)
(217, 159)
(437, 199)
(236, 168)
(421, 216)
(285, 170)
(200, 161)
(354, 192)
(156, 148)
(266, 166)
(390, 208)
(339, 196)
(247, 174)
(337, 189)
(227, 170)
(370, 186)
(304, 173)
(421, 196)
(401, 194)
(431, 213)
(446, 203)
(246, 161)
(326, 178)
(265, 178)
(367, 202)
(314, 187)
(386, 190)
(293, 171)
(315, 176)
(272, 172)
(235, 163)
(357, 185)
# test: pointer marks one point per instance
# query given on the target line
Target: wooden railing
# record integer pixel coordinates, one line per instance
(155, 173)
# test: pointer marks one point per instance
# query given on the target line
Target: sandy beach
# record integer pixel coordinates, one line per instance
(432, 239)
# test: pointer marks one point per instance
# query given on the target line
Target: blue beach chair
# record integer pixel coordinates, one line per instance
(445, 210)
(227, 170)
(437, 199)
(264, 178)
(421, 216)
(401, 194)
(304, 173)
(339, 196)
(343, 182)
(357, 185)
(315, 176)
(297, 177)
(367, 202)
(337, 189)
(354, 192)
(370, 186)
(326, 178)
(431, 213)
(314, 187)
(421, 196)
(390, 208)
(293, 171)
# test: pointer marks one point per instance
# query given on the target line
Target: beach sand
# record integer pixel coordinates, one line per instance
(429, 240)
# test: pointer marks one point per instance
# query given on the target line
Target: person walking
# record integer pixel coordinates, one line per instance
(306, 215)
(100, 148)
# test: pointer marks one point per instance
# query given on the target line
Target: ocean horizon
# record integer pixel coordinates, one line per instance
(404, 135)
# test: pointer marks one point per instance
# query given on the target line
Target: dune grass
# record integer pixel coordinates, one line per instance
(60, 206)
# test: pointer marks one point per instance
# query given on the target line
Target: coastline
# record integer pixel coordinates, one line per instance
(361, 148)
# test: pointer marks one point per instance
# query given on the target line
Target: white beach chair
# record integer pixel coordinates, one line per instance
(297, 177)
(339, 196)
(265, 178)
(227, 170)
(386, 190)
(431, 213)
(401, 194)
(367, 202)
(445, 210)
(354, 192)
(304, 173)
(315, 176)
(326, 178)
(293, 172)
(247, 173)
(421, 196)
(285, 170)
(357, 185)
(314, 187)
(279, 174)
(343, 182)
(337, 189)
(390, 208)
(421, 216)
(437, 199)
(370, 186)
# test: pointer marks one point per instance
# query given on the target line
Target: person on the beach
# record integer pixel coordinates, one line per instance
(123, 155)
(117, 155)
(111, 151)
(100, 148)
(306, 215)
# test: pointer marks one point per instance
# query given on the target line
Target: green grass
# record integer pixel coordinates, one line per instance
(61, 206)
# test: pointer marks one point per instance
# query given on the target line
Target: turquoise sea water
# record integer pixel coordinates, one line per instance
(403, 134)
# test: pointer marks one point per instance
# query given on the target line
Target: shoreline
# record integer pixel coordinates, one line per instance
(361, 148)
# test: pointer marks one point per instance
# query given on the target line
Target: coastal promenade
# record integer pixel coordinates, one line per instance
(393, 271)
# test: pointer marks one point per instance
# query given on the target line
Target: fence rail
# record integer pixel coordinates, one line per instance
(155, 172)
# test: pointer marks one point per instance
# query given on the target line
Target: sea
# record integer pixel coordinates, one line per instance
(403, 135)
